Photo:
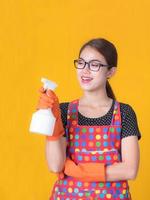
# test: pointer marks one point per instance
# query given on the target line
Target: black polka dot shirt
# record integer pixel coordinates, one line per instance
(128, 118)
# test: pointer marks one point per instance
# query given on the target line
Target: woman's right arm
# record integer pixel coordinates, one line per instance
(55, 144)
(56, 154)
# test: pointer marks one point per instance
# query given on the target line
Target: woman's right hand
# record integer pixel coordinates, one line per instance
(46, 99)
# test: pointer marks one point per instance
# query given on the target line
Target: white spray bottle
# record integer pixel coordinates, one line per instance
(43, 120)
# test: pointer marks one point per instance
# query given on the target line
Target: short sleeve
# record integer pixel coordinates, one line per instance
(64, 109)
(130, 124)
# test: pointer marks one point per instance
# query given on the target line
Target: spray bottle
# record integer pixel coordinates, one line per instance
(43, 120)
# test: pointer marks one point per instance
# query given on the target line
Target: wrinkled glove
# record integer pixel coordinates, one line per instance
(48, 99)
(85, 171)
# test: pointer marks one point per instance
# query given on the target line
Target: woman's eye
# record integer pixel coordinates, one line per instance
(80, 62)
(94, 64)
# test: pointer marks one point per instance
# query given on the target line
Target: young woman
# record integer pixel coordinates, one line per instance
(94, 148)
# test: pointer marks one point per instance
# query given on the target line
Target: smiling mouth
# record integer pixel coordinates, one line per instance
(85, 79)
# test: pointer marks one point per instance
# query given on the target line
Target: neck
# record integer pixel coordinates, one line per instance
(96, 98)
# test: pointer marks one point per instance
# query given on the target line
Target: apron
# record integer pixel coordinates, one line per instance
(100, 144)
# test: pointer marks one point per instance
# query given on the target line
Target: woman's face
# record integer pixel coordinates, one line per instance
(91, 80)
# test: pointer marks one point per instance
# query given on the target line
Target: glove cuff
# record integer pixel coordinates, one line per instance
(54, 138)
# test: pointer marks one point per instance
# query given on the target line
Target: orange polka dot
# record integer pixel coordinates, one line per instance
(86, 158)
(90, 144)
(71, 130)
(70, 183)
(117, 144)
(124, 185)
(86, 184)
(113, 184)
(116, 117)
(98, 130)
(74, 122)
(115, 157)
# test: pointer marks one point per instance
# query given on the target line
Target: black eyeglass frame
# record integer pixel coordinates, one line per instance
(100, 64)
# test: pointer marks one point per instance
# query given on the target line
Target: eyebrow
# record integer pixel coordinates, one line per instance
(91, 60)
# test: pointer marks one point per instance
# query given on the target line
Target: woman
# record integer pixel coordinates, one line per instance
(94, 148)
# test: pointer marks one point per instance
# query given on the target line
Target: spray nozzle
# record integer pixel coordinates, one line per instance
(48, 84)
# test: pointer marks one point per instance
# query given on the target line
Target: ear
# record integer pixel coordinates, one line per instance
(111, 72)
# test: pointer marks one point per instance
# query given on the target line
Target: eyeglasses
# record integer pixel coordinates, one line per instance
(93, 65)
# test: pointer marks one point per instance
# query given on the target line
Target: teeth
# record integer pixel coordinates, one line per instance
(86, 78)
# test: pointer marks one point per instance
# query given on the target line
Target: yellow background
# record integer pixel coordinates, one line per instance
(41, 38)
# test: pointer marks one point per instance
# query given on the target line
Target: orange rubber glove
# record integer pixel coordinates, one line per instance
(85, 171)
(49, 99)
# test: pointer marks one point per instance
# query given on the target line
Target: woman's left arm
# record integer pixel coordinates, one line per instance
(124, 170)
(128, 168)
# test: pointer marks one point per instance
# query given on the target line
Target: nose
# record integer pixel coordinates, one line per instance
(86, 67)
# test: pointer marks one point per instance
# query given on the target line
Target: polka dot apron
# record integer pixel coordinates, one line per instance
(92, 144)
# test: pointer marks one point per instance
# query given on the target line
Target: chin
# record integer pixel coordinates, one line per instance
(90, 88)
(87, 88)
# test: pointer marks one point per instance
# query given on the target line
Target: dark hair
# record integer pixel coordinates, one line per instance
(108, 50)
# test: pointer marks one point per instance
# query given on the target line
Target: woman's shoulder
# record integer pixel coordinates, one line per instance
(64, 105)
(127, 111)
(126, 107)
(129, 120)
